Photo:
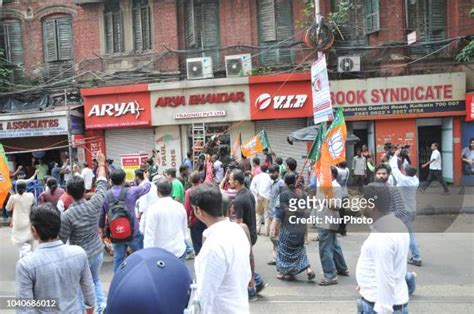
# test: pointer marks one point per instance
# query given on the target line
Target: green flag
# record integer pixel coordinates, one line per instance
(315, 151)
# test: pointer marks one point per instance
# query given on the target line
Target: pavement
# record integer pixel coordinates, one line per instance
(445, 281)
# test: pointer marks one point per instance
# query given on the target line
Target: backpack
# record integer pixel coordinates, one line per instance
(120, 222)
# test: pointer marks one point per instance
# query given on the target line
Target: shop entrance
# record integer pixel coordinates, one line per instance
(426, 136)
(211, 130)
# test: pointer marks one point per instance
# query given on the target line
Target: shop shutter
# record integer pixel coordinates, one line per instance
(128, 141)
(278, 131)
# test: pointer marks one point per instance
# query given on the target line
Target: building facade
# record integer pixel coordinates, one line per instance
(51, 45)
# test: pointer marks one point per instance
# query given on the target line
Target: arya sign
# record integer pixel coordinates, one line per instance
(117, 107)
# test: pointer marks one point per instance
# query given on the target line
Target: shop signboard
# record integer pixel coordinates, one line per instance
(168, 146)
(322, 108)
(31, 127)
(470, 107)
(132, 162)
(207, 101)
(280, 97)
(403, 96)
(117, 107)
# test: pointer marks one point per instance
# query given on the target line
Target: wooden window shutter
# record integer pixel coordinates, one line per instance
(50, 43)
(284, 22)
(146, 27)
(141, 25)
(190, 24)
(64, 32)
(437, 21)
(267, 20)
(372, 16)
(137, 29)
(210, 30)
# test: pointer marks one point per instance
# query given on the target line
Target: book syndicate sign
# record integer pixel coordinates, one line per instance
(402, 95)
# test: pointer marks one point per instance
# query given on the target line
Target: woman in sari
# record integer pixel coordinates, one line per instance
(291, 252)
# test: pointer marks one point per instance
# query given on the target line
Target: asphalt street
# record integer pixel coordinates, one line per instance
(445, 281)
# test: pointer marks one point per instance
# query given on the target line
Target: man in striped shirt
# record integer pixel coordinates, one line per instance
(80, 225)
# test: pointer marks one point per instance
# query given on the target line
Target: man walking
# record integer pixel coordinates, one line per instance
(88, 175)
(79, 225)
(261, 189)
(277, 185)
(407, 185)
(53, 195)
(436, 172)
(196, 226)
(382, 265)
(55, 271)
(177, 192)
(166, 223)
(359, 167)
(222, 267)
(330, 251)
(120, 194)
(244, 212)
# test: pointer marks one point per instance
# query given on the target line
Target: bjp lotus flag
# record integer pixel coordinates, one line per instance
(335, 139)
(256, 145)
(323, 171)
(5, 183)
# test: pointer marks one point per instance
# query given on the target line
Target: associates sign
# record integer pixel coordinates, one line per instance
(415, 95)
(218, 100)
(33, 127)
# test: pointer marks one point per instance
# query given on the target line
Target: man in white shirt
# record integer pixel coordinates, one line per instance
(407, 185)
(436, 172)
(218, 169)
(88, 175)
(261, 188)
(166, 223)
(222, 266)
(382, 264)
(146, 201)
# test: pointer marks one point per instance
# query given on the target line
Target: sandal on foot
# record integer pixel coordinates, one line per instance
(311, 275)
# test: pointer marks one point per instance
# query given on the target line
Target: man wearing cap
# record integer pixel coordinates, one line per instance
(150, 281)
(222, 266)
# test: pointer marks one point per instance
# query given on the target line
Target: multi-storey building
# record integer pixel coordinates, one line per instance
(144, 45)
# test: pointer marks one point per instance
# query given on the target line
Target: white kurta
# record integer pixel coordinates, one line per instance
(21, 206)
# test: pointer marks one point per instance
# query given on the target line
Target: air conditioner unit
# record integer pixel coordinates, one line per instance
(199, 68)
(348, 64)
(238, 65)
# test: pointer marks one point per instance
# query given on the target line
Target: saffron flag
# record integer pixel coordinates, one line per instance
(335, 139)
(256, 145)
(5, 183)
(236, 148)
(333, 151)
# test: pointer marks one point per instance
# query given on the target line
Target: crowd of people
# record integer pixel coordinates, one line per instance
(224, 208)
